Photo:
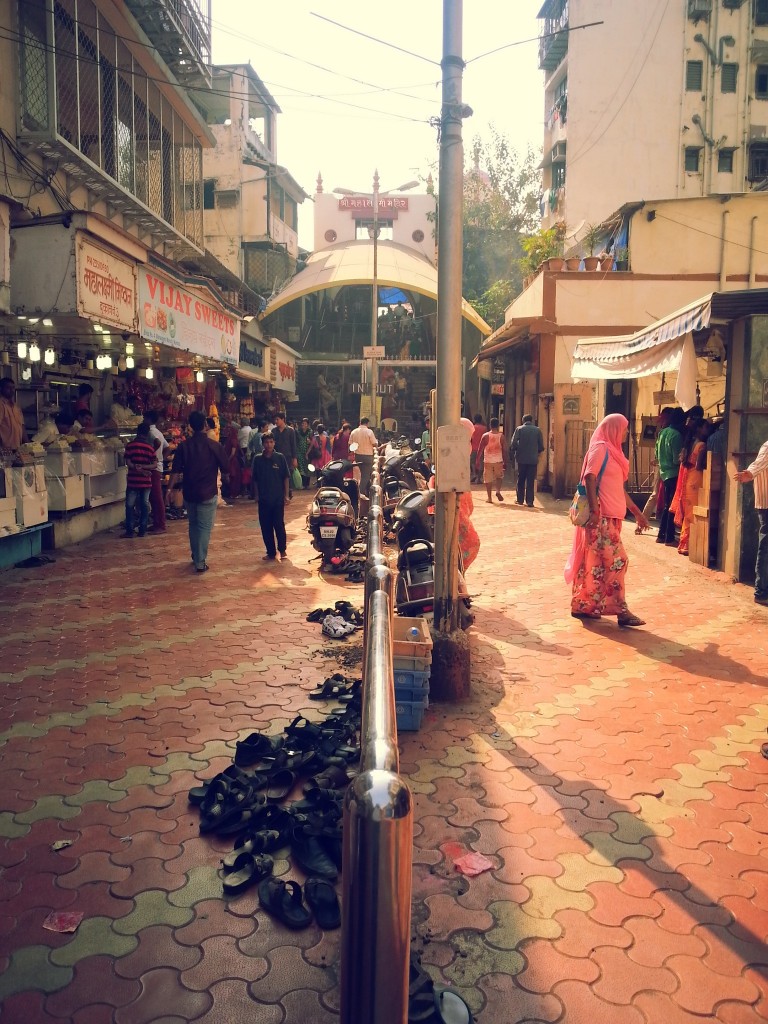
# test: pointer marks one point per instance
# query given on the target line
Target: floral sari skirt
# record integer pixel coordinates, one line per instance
(599, 582)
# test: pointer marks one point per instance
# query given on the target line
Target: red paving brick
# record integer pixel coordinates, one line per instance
(612, 777)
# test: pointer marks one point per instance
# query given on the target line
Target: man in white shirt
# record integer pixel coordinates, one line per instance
(243, 437)
(758, 471)
(366, 442)
(156, 501)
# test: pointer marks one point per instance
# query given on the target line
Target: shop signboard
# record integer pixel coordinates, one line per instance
(172, 315)
(283, 370)
(106, 285)
(254, 359)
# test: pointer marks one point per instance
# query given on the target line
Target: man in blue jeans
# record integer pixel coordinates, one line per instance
(140, 459)
(198, 461)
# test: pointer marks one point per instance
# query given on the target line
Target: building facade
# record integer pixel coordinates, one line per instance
(672, 104)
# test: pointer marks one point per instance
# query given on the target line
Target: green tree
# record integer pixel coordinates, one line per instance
(501, 206)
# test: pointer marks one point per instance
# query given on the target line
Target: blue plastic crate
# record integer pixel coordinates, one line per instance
(411, 693)
(403, 677)
(409, 714)
(423, 664)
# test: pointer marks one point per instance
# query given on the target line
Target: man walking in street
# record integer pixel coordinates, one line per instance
(285, 445)
(140, 459)
(197, 462)
(157, 440)
(365, 439)
(271, 488)
(526, 447)
(477, 435)
(758, 471)
(495, 466)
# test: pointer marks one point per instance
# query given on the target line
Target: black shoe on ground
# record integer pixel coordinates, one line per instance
(761, 600)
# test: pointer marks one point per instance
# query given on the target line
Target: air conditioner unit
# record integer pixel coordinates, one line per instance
(558, 152)
(699, 8)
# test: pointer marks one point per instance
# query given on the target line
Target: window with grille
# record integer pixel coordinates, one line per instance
(729, 74)
(694, 75)
(761, 82)
(692, 159)
(33, 65)
(725, 161)
(364, 229)
(558, 175)
(209, 188)
(758, 162)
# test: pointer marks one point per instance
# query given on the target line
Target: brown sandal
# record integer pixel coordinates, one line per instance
(630, 620)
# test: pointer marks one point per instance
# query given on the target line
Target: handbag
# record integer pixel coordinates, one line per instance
(296, 480)
(579, 512)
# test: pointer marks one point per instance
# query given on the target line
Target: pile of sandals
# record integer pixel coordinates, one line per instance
(250, 801)
(338, 622)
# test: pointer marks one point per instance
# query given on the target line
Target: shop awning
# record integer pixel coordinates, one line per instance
(350, 263)
(659, 347)
(512, 333)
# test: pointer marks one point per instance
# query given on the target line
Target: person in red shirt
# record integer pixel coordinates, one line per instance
(477, 435)
(140, 458)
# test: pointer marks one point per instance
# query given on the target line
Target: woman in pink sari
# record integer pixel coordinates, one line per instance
(598, 563)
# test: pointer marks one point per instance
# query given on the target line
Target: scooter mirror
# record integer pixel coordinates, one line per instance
(310, 467)
(417, 442)
(354, 446)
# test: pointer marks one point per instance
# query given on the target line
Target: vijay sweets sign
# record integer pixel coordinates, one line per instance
(171, 315)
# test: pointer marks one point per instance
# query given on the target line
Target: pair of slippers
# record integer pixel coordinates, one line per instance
(243, 869)
(336, 687)
(434, 1004)
(285, 901)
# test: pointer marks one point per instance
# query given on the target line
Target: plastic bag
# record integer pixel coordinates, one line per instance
(296, 480)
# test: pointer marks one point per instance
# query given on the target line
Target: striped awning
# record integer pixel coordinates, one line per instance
(655, 349)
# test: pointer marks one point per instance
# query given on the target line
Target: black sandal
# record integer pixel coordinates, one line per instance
(284, 901)
(249, 870)
(324, 903)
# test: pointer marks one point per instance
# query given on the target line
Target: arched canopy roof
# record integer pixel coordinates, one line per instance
(349, 263)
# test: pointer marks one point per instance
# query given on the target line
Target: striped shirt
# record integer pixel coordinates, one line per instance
(759, 470)
(140, 454)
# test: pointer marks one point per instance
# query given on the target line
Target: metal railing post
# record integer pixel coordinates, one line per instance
(378, 821)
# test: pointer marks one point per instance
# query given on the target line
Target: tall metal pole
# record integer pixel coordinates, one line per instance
(375, 296)
(450, 218)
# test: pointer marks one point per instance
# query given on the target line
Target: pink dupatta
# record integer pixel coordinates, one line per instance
(609, 434)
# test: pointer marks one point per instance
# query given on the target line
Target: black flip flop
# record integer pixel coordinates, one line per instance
(323, 902)
(257, 747)
(284, 901)
(257, 842)
(249, 870)
(281, 783)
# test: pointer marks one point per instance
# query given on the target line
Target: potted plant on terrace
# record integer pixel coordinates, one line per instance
(622, 258)
(545, 246)
(591, 239)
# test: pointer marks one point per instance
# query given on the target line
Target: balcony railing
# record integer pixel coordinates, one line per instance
(90, 108)
(553, 43)
(181, 31)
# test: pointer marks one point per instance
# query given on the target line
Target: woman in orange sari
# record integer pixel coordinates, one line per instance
(689, 481)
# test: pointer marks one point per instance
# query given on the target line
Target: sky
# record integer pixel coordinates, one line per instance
(352, 104)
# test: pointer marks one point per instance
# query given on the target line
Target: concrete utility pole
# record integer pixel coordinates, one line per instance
(450, 667)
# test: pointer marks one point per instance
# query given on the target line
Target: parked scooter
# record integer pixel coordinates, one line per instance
(413, 522)
(332, 517)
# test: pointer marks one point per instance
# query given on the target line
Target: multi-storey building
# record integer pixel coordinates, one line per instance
(250, 202)
(663, 100)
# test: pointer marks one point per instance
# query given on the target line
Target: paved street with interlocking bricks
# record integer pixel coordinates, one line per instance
(613, 778)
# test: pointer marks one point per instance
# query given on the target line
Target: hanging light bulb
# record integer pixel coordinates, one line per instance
(149, 373)
(26, 373)
(106, 362)
(199, 376)
(129, 362)
(129, 348)
(50, 357)
(230, 382)
(98, 361)
(34, 352)
(21, 350)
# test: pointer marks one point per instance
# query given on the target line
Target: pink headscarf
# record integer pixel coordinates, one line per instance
(609, 434)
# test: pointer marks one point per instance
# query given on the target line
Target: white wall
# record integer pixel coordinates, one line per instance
(328, 217)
